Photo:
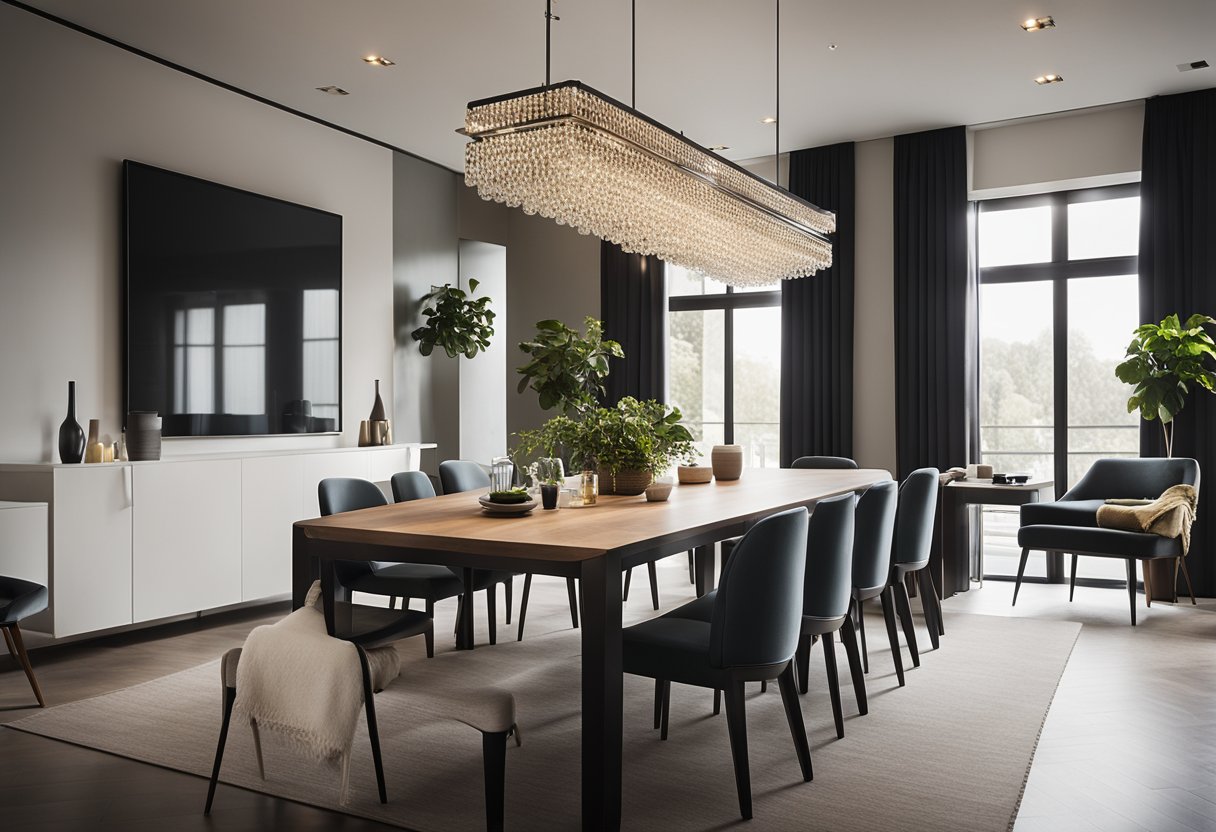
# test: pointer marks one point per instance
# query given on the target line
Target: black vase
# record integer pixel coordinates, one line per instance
(71, 436)
(377, 406)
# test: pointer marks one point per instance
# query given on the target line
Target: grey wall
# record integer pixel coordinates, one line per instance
(68, 125)
(483, 380)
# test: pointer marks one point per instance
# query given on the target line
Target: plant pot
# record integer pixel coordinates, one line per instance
(143, 435)
(548, 496)
(628, 482)
(727, 461)
(694, 474)
(658, 492)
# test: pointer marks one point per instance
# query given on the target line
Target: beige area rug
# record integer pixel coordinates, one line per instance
(949, 751)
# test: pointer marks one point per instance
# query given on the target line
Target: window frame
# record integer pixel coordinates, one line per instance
(728, 301)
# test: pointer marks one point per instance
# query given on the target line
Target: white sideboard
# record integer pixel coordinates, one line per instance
(134, 542)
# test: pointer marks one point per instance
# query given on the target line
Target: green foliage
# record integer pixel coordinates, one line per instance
(1162, 360)
(633, 435)
(455, 321)
(567, 370)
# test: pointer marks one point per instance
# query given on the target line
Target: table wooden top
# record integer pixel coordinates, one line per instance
(455, 523)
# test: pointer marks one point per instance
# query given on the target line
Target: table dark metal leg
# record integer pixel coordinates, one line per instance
(304, 568)
(703, 557)
(603, 687)
(464, 633)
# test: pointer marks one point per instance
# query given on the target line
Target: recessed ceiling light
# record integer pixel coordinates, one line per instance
(379, 60)
(718, 147)
(768, 120)
(332, 90)
(1190, 65)
(832, 47)
(1050, 78)
(1034, 24)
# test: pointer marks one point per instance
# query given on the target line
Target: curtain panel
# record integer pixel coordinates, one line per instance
(817, 318)
(633, 307)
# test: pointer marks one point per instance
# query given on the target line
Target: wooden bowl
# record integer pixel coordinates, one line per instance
(695, 474)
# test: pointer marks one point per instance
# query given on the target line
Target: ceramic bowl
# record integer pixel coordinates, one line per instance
(658, 492)
(695, 474)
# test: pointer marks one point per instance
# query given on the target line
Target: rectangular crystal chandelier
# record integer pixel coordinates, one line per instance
(573, 154)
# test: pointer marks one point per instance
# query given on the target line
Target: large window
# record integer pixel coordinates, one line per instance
(1058, 303)
(724, 364)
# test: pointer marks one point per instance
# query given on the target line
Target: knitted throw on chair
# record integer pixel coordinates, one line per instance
(1170, 515)
(296, 679)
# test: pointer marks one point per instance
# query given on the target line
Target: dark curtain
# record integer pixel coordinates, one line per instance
(817, 319)
(633, 308)
(1178, 275)
(935, 297)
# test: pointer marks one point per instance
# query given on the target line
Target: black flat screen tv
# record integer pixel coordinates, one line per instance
(233, 308)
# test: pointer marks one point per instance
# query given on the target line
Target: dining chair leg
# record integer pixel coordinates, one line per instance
(523, 604)
(392, 602)
(654, 585)
(1187, 575)
(849, 636)
(930, 605)
(793, 716)
(904, 607)
(492, 612)
(508, 588)
(736, 724)
(829, 657)
(717, 701)
(803, 661)
(12, 634)
(1131, 587)
(1021, 571)
(888, 613)
(229, 698)
(459, 615)
(494, 755)
(1072, 578)
(860, 617)
(628, 581)
(373, 733)
(1146, 568)
(573, 594)
(429, 635)
(666, 710)
(658, 703)
(764, 686)
(692, 568)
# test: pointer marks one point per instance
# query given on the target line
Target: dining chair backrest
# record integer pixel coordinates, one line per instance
(1124, 478)
(757, 614)
(411, 485)
(457, 475)
(875, 534)
(339, 494)
(914, 516)
(838, 462)
(828, 581)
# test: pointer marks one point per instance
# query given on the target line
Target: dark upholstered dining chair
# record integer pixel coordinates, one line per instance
(914, 517)
(840, 463)
(872, 550)
(751, 635)
(19, 600)
(1070, 524)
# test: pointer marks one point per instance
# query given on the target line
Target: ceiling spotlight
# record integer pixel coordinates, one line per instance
(332, 90)
(832, 47)
(1034, 24)
(768, 120)
(1051, 78)
(718, 147)
(1190, 66)
(379, 60)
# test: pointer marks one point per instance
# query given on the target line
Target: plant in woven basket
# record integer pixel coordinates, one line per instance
(455, 321)
(1162, 361)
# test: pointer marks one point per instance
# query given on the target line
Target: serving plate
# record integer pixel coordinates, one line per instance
(506, 509)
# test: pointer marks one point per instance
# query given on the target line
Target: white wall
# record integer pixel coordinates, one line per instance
(69, 122)
(483, 380)
(1078, 149)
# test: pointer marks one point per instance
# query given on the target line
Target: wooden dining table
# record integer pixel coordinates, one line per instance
(594, 544)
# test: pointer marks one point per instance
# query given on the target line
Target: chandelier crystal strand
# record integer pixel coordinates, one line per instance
(570, 153)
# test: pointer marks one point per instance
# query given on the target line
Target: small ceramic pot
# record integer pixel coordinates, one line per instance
(548, 496)
(694, 474)
(658, 492)
(727, 461)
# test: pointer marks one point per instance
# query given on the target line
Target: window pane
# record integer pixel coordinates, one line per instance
(200, 326)
(757, 385)
(245, 380)
(200, 379)
(696, 351)
(321, 313)
(681, 281)
(1108, 228)
(772, 287)
(321, 372)
(1016, 403)
(245, 324)
(1012, 237)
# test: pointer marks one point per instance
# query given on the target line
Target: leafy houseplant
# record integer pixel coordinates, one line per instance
(566, 369)
(1162, 360)
(455, 321)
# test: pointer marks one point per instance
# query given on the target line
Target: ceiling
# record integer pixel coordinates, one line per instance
(705, 67)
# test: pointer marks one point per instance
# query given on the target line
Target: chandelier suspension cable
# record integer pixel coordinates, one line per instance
(777, 132)
(549, 18)
(633, 53)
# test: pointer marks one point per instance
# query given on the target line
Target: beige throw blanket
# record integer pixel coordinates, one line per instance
(296, 679)
(1170, 515)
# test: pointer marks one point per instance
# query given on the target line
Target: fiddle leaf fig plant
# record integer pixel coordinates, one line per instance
(1163, 360)
(567, 369)
(455, 321)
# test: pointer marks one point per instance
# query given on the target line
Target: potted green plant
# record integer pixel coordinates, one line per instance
(565, 368)
(1162, 361)
(455, 321)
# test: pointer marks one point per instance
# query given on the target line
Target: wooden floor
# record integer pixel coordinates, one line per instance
(1129, 744)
